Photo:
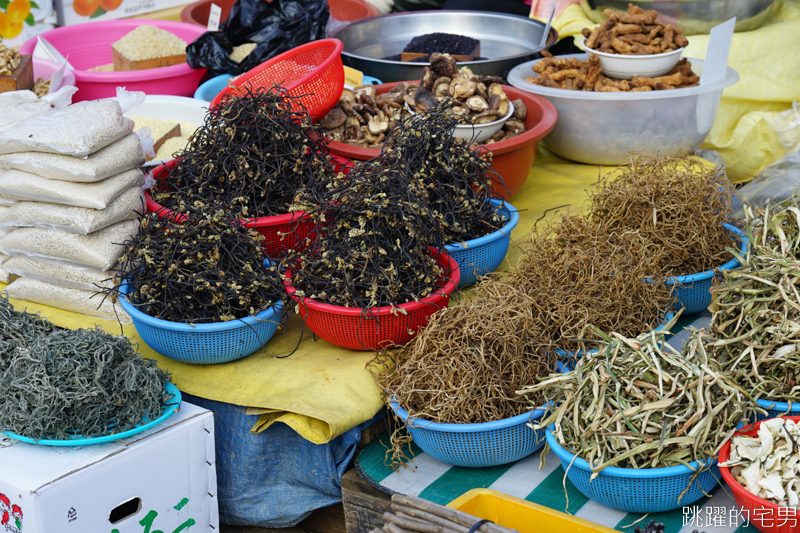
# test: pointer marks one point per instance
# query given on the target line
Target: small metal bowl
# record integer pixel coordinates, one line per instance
(506, 40)
(625, 67)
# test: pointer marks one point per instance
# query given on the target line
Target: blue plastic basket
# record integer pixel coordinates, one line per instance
(476, 445)
(170, 408)
(204, 343)
(212, 87)
(646, 490)
(777, 409)
(693, 292)
(566, 361)
(484, 254)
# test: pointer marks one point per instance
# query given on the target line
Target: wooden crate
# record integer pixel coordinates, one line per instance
(364, 505)
(123, 63)
(411, 56)
(20, 79)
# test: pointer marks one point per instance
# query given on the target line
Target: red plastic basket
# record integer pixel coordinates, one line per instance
(281, 233)
(348, 327)
(768, 517)
(313, 71)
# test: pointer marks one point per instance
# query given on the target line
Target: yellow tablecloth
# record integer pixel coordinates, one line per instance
(321, 390)
(769, 70)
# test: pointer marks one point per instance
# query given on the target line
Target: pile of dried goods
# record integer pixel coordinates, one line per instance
(58, 384)
(201, 269)
(253, 155)
(9, 60)
(422, 47)
(636, 32)
(584, 75)
(768, 465)
(410, 513)
(639, 403)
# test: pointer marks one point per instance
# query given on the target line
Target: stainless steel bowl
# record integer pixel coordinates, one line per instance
(693, 17)
(506, 41)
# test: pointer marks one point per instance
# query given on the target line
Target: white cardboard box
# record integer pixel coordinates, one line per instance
(161, 481)
(75, 11)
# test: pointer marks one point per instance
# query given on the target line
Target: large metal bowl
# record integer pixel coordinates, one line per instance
(506, 41)
(694, 16)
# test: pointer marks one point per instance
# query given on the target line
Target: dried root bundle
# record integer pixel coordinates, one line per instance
(755, 329)
(203, 269)
(639, 403)
(252, 155)
(678, 205)
(55, 384)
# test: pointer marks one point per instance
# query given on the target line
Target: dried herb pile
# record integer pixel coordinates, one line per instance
(57, 383)
(639, 403)
(253, 154)
(201, 269)
(375, 225)
(755, 329)
(677, 204)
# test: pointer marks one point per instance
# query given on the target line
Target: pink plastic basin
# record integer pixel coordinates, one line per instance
(89, 45)
(44, 68)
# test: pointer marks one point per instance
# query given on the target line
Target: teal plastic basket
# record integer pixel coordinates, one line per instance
(203, 344)
(484, 254)
(476, 445)
(693, 292)
(646, 490)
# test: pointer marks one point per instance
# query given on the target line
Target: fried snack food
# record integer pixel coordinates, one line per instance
(584, 75)
(636, 32)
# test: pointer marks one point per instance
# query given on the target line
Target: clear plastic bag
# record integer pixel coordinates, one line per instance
(77, 130)
(122, 155)
(787, 125)
(87, 302)
(128, 206)
(5, 275)
(24, 186)
(776, 183)
(85, 279)
(100, 250)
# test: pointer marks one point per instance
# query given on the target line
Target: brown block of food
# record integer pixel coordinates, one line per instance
(476, 52)
(19, 80)
(123, 63)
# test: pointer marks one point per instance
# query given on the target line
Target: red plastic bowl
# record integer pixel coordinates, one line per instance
(768, 517)
(313, 71)
(281, 233)
(348, 10)
(89, 45)
(379, 327)
(512, 159)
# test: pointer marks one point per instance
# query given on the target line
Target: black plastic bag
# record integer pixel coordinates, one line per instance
(275, 26)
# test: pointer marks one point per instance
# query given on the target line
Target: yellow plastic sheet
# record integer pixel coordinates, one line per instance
(321, 390)
(769, 69)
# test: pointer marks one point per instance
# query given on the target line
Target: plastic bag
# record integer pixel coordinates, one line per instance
(16, 106)
(275, 27)
(87, 302)
(99, 251)
(128, 206)
(777, 182)
(78, 130)
(117, 157)
(85, 279)
(23, 186)
(787, 125)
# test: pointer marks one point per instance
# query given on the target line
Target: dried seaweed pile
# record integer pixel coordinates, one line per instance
(201, 269)
(755, 329)
(639, 403)
(676, 204)
(253, 154)
(376, 224)
(55, 384)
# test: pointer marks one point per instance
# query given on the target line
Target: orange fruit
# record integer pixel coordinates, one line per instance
(85, 8)
(12, 30)
(3, 24)
(110, 5)
(17, 10)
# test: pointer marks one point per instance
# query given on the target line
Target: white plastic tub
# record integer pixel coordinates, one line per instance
(606, 128)
(625, 67)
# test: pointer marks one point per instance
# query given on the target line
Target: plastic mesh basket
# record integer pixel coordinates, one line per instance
(777, 409)
(485, 254)
(348, 327)
(647, 490)
(693, 292)
(476, 445)
(204, 343)
(313, 71)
